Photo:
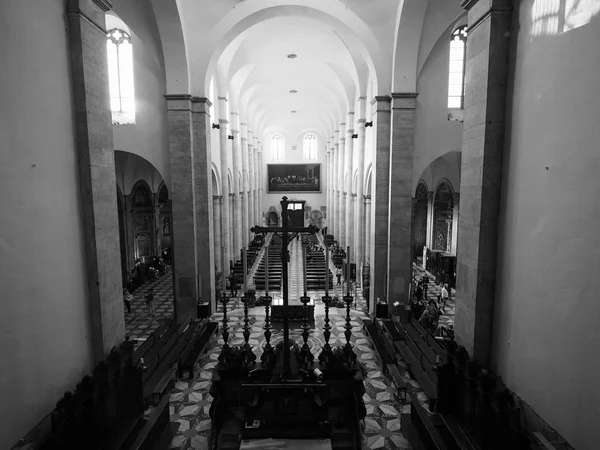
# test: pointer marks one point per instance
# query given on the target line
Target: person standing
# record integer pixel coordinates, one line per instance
(150, 302)
(445, 296)
(425, 283)
(127, 298)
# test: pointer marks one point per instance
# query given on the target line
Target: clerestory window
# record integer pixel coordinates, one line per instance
(310, 146)
(277, 147)
(120, 76)
(456, 76)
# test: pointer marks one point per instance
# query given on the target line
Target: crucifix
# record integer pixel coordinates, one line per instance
(284, 233)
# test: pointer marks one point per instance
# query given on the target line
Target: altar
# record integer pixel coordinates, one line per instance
(295, 310)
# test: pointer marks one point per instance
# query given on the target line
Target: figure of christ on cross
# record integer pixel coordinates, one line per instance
(284, 233)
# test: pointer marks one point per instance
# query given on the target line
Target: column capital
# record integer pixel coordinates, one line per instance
(222, 98)
(383, 103)
(200, 105)
(235, 132)
(217, 197)
(350, 131)
(244, 139)
(361, 122)
(178, 102)
(234, 113)
(224, 121)
(404, 100)
(231, 194)
(243, 124)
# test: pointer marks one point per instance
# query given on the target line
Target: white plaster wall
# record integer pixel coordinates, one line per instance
(547, 338)
(44, 326)
(148, 137)
(435, 135)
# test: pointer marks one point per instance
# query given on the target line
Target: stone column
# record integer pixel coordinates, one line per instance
(95, 153)
(359, 236)
(481, 172)
(217, 202)
(455, 218)
(237, 169)
(367, 233)
(183, 240)
(233, 253)
(256, 181)
(251, 178)
(348, 168)
(261, 185)
(245, 185)
(380, 198)
(341, 185)
(400, 198)
(429, 234)
(368, 225)
(201, 146)
(328, 183)
(336, 191)
(223, 141)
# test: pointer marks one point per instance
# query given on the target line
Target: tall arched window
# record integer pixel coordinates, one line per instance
(310, 146)
(456, 77)
(277, 147)
(120, 76)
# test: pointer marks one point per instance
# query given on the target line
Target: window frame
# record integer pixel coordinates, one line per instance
(277, 151)
(309, 153)
(460, 32)
(123, 115)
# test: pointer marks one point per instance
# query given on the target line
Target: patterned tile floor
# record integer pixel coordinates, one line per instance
(190, 400)
(139, 324)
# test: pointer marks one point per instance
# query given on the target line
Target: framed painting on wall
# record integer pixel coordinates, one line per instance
(294, 177)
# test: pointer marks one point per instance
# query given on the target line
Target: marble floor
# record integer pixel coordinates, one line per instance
(139, 324)
(433, 291)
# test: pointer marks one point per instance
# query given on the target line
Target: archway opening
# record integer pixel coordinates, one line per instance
(419, 224)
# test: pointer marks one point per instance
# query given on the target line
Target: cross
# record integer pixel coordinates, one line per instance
(283, 232)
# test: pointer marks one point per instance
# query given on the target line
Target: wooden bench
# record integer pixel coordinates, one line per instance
(157, 432)
(397, 380)
(425, 431)
(419, 373)
(371, 330)
(187, 365)
(165, 384)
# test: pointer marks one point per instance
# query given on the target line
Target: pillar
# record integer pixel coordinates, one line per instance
(201, 147)
(359, 236)
(348, 168)
(341, 204)
(95, 152)
(481, 173)
(368, 227)
(245, 184)
(217, 201)
(225, 217)
(183, 234)
(261, 184)
(251, 176)
(336, 191)
(455, 217)
(400, 198)
(429, 235)
(380, 198)
(237, 201)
